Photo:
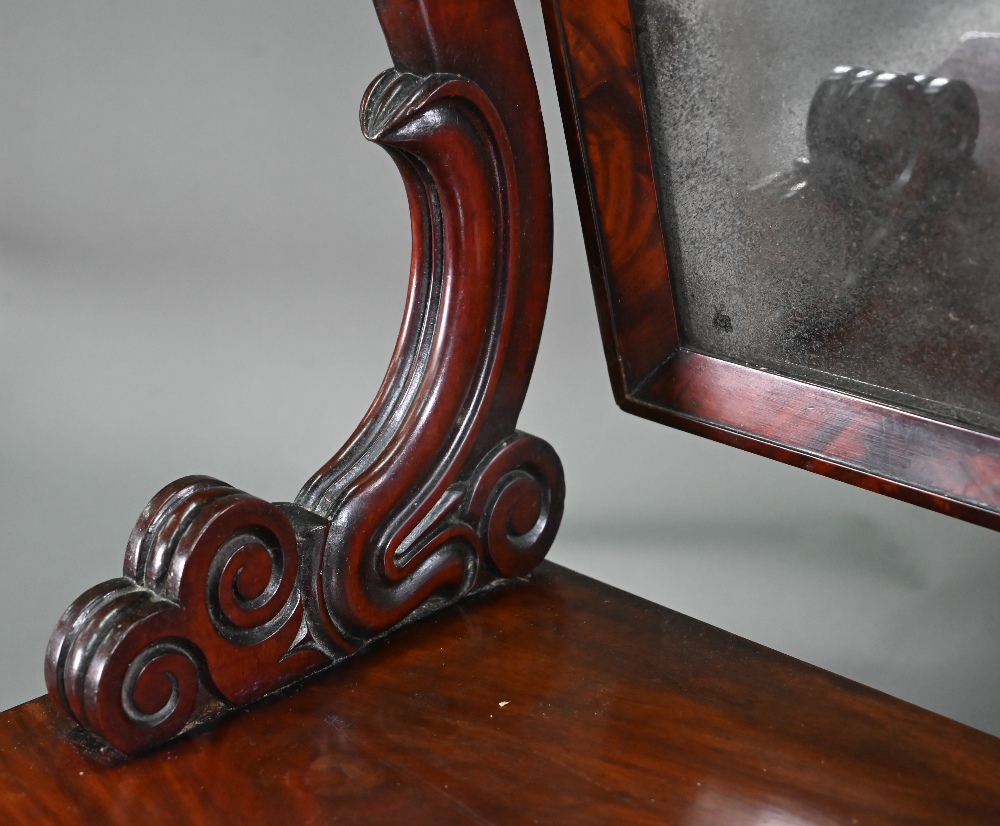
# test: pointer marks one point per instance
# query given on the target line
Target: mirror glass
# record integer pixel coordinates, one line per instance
(831, 179)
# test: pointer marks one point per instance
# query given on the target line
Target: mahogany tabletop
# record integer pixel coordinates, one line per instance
(550, 699)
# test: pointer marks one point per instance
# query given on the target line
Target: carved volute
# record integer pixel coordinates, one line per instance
(226, 597)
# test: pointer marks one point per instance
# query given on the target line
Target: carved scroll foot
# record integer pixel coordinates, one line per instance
(214, 611)
(226, 597)
(209, 611)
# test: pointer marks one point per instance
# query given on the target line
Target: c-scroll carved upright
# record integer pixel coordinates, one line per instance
(226, 597)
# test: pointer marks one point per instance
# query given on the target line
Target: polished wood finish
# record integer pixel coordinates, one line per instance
(225, 597)
(597, 77)
(941, 466)
(945, 467)
(552, 699)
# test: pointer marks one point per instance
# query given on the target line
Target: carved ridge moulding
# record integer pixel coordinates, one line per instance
(226, 597)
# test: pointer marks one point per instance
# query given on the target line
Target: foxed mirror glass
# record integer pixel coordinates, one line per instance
(830, 173)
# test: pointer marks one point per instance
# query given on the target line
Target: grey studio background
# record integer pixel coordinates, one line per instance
(202, 269)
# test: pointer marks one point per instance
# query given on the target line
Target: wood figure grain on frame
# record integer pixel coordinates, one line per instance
(226, 597)
(892, 451)
(596, 73)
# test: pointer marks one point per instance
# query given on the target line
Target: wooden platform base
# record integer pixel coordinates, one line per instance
(555, 699)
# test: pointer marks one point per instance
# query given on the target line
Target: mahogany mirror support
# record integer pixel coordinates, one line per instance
(226, 597)
(939, 465)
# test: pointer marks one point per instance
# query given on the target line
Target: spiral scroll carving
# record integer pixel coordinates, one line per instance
(160, 687)
(227, 597)
(211, 589)
(415, 118)
(517, 499)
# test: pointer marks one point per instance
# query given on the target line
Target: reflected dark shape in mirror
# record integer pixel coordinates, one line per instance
(886, 151)
(838, 227)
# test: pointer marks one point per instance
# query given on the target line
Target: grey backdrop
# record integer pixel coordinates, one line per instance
(202, 268)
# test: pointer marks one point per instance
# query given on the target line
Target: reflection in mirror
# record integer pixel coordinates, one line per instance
(886, 153)
(831, 176)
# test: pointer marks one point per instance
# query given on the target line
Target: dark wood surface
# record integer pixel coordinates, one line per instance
(226, 597)
(597, 76)
(906, 455)
(552, 699)
(937, 465)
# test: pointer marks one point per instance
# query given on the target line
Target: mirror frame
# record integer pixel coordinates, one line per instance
(874, 445)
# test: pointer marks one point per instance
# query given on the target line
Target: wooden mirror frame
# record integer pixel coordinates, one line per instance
(890, 450)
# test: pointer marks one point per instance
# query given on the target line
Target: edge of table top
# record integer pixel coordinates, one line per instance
(554, 697)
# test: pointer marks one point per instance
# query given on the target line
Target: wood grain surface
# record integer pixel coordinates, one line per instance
(551, 699)
(940, 466)
(604, 117)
